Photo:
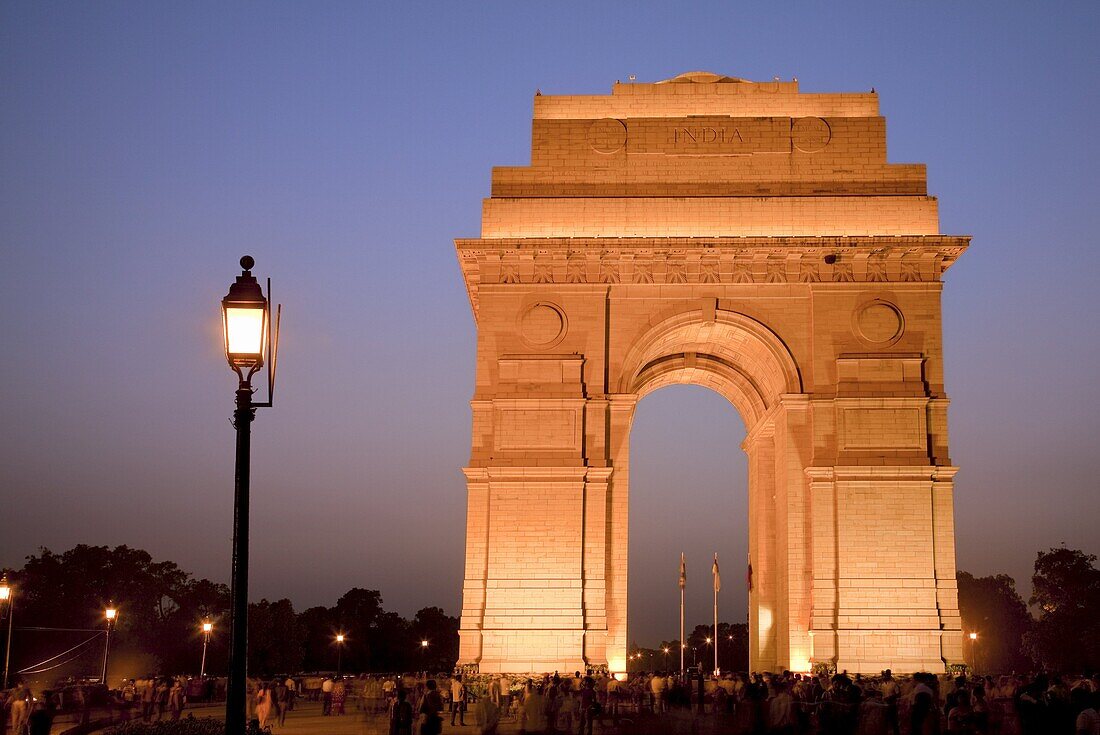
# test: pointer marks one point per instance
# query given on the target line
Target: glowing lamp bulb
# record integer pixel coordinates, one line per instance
(207, 627)
(245, 321)
(339, 637)
(111, 612)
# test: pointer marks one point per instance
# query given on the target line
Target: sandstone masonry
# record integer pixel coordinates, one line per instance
(749, 238)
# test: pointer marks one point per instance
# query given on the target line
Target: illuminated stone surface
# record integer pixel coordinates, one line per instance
(752, 239)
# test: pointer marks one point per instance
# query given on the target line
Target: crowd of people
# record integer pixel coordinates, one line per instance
(740, 704)
(656, 702)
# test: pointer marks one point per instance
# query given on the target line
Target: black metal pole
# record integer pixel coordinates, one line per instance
(236, 691)
(106, 652)
(7, 647)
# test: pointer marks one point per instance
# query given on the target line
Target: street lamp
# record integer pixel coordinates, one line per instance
(974, 650)
(207, 628)
(339, 653)
(7, 607)
(246, 321)
(111, 614)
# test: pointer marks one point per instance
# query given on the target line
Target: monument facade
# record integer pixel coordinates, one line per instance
(752, 239)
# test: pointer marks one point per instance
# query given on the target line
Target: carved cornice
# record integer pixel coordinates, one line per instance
(705, 260)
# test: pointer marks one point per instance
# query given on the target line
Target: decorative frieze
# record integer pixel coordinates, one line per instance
(689, 261)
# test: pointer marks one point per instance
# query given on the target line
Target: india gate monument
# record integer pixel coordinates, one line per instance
(748, 238)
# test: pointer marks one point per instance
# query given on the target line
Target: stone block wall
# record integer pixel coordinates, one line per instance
(754, 240)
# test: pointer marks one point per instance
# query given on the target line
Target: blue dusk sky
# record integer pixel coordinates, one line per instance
(145, 146)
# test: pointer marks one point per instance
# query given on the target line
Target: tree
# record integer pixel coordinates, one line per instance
(1066, 589)
(160, 608)
(992, 608)
(275, 638)
(441, 631)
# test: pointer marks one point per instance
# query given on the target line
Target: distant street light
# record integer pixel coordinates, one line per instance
(339, 653)
(973, 636)
(207, 627)
(111, 614)
(7, 607)
(246, 319)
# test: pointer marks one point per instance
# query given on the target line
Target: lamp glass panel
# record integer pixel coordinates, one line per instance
(244, 330)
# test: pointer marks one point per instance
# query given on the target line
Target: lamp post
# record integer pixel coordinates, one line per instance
(246, 319)
(7, 607)
(207, 627)
(709, 641)
(111, 614)
(424, 653)
(339, 653)
(974, 650)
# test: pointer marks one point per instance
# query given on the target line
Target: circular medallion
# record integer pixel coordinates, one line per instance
(879, 322)
(607, 135)
(542, 325)
(810, 134)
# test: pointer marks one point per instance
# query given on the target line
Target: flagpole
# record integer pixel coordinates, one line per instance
(717, 584)
(682, 644)
(683, 583)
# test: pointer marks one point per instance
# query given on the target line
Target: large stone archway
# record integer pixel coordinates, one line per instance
(754, 240)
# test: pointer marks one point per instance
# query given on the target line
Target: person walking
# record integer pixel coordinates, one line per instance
(175, 699)
(291, 692)
(163, 689)
(148, 699)
(534, 711)
(326, 697)
(263, 704)
(20, 709)
(431, 707)
(282, 700)
(486, 716)
(339, 696)
(40, 721)
(401, 715)
(458, 701)
(588, 706)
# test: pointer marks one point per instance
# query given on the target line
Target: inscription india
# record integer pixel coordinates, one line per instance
(706, 135)
(710, 136)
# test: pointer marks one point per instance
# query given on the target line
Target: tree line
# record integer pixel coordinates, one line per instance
(59, 601)
(1063, 634)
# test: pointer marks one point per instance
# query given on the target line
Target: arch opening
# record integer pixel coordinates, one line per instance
(689, 493)
(746, 363)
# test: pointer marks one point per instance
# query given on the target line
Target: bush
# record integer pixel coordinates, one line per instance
(190, 725)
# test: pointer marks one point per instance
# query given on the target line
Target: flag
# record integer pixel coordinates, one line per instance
(748, 574)
(717, 576)
(683, 571)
